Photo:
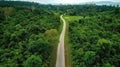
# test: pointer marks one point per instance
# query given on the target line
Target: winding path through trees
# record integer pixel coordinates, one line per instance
(60, 61)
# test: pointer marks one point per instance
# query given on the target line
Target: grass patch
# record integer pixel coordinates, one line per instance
(72, 18)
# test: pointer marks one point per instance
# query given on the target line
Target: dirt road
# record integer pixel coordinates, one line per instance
(60, 61)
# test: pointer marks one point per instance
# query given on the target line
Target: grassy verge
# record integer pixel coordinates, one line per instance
(68, 61)
(67, 47)
(54, 50)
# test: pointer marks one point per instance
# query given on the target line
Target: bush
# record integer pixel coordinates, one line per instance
(33, 61)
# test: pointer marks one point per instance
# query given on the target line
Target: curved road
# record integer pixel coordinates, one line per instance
(60, 61)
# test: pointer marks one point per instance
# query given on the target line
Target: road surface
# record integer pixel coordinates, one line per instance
(60, 61)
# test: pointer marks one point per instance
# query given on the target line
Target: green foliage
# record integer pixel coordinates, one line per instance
(51, 35)
(94, 39)
(33, 61)
(22, 34)
(40, 47)
(108, 65)
(29, 30)
(89, 58)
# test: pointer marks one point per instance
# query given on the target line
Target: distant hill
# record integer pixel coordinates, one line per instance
(104, 3)
(109, 3)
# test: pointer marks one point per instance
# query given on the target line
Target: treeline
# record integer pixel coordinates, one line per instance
(68, 9)
(95, 39)
(27, 35)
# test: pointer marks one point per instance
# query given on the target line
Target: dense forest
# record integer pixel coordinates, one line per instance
(27, 35)
(94, 39)
(29, 31)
